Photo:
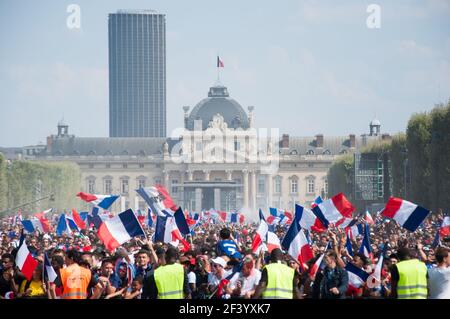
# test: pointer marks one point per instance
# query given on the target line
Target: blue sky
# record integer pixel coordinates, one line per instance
(308, 67)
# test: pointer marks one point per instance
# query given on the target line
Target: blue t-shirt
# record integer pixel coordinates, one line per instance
(229, 248)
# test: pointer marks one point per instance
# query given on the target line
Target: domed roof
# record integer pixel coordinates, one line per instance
(375, 122)
(218, 102)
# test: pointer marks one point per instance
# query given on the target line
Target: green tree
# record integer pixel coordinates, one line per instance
(340, 176)
(418, 138)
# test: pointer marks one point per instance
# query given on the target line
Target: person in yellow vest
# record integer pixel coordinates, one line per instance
(169, 280)
(74, 278)
(278, 281)
(408, 277)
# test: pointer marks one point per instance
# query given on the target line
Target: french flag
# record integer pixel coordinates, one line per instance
(444, 230)
(355, 230)
(356, 276)
(368, 218)
(219, 63)
(348, 245)
(307, 219)
(333, 209)
(103, 201)
(346, 222)
(272, 241)
(374, 280)
(17, 219)
(167, 232)
(76, 219)
(407, 214)
(316, 202)
(63, 226)
(24, 259)
(261, 233)
(49, 273)
(120, 229)
(158, 199)
(151, 218)
(365, 248)
(319, 264)
(297, 245)
(35, 224)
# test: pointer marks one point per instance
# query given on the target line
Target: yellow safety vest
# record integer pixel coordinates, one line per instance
(413, 280)
(169, 281)
(279, 282)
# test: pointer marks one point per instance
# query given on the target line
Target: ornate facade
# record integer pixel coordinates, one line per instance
(218, 160)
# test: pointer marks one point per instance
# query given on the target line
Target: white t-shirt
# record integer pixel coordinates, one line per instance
(192, 278)
(439, 283)
(214, 281)
(248, 283)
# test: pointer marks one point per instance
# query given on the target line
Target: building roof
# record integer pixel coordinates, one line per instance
(109, 146)
(218, 102)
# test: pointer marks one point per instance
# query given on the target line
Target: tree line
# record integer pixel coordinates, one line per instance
(419, 162)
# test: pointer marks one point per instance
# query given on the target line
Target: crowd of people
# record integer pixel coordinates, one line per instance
(221, 264)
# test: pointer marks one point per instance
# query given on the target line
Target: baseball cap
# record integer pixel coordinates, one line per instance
(220, 261)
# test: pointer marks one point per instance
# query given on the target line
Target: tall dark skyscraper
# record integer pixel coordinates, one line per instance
(137, 74)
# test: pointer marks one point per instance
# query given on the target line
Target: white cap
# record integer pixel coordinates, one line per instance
(219, 261)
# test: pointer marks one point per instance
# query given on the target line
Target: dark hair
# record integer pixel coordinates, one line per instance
(171, 253)
(59, 260)
(143, 251)
(159, 251)
(403, 253)
(440, 254)
(393, 256)
(106, 261)
(331, 253)
(9, 256)
(74, 255)
(225, 233)
(276, 255)
(138, 279)
(363, 258)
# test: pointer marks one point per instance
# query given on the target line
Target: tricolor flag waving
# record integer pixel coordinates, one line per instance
(407, 214)
(297, 245)
(261, 232)
(103, 201)
(24, 259)
(158, 199)
(334, 209)
(120, 229)
(219, 63)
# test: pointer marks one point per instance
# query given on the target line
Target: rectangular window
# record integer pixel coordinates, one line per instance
(237, 145)
(108, 165)
(124, 165)
(277, 185)
(198, 146)
(108, 186)
(91, 186)
(141, 183)
(125, 187)
(141, 165)
(174, 188)
(294, 186)
(261, 185)
(311, 186)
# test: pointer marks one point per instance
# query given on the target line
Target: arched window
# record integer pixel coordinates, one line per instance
(310, 152)
(343, 152)
(293, 152)
(327, 152)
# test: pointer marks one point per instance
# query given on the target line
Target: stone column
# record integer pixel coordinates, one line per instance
(166, 179)
(198, 200)
(253, 190)
(181, 189)
(136, 203)
(229, 175)
(207, 174)
(217, 198)
(269, 190)
(122, 203)
(190, 175)
(245, 187)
